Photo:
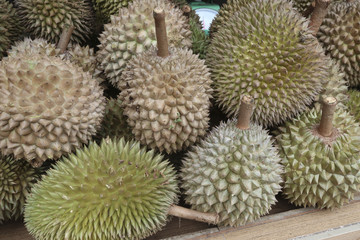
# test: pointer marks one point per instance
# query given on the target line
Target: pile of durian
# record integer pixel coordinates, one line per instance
(112, 111)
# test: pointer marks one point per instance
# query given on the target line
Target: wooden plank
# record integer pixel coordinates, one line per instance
(288, 225)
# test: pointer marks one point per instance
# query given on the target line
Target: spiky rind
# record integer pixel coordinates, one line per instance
(114, 124)
(10, 28)
(48, 107)
(276, 60)
(235, 173)
(354, 104)
(36, 46)
(47, 18)
(320, 172)
(17, 177)
(302, 5)
(339, 36)
(167, 100)
(225, 13)
(132, 32)
(105, 8)
(117, 190)
(200, 40)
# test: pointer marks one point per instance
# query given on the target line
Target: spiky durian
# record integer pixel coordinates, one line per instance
(276, 60)
(225, 13)
(132, 31)
(47, 18)
(320, 171)
(354, 104)
(10, 28)
(81, 56)
(113, 191)
(200, 40)
(17, 177)
(334, 86)
(302, 5)
(233, 172)
(339, 34)
(114, 124)
(105, 8)
(167, 99)
(48, 107)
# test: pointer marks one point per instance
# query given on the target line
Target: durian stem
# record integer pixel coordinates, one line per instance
(245, 112)
(65, 38)
(325, 128)
(186, 213)
(318, 15)
(161, 37)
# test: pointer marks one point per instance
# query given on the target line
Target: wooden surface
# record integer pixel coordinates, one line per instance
(304, 224)
(176, 226)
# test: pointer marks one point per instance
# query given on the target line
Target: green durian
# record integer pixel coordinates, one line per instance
(10, 28)
(225, 13)
(235, 173)
(116, 48)
(46, 18)
(277, 60)
(320, 171)
(353, 104)
(166, 100)
(117, 190)
(17, 177)
(105, 8)
(339, 35)
(114, 124)
(48, 107)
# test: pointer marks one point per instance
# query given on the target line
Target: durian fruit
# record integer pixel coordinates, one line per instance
(84, 57)
(10, 28)
(321, 160)
(302, 5)
(48, 107)
(339, 35)
(354, 104)
(117, 190)
(276, 60)
(46, 18)
(335, 86)
(132, 31)
(235, 171)
(17, 177)
(225, 13)
(166, 96)
(105, 8)
(114, 124)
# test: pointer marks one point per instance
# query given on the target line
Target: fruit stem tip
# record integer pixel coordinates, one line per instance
(325, 128)
(318, 15)
(245, 112)
(181, 212)
(65, 38)
(161, 36)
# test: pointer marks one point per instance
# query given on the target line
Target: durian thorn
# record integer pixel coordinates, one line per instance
(325, 128)
(245, 112)
(318, 15)
(65, 38)
(186, 213)
(160, 28)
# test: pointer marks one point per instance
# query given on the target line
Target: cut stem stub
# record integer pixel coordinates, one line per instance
(186, 213)
(65, 38)
(325, 128)
(245, 112)
(161, 36)
(318, 15)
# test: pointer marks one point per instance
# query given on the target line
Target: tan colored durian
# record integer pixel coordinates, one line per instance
(48, 108)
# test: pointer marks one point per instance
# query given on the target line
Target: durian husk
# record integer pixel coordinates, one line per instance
(17, 177)
(353, 104)
(117, 185)
(339, 35)
(320, 171)
(47, 18)
(116, 48)
(166, 100)
(105, 8)
(278, 62)
(234, 173)
(49, 107)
